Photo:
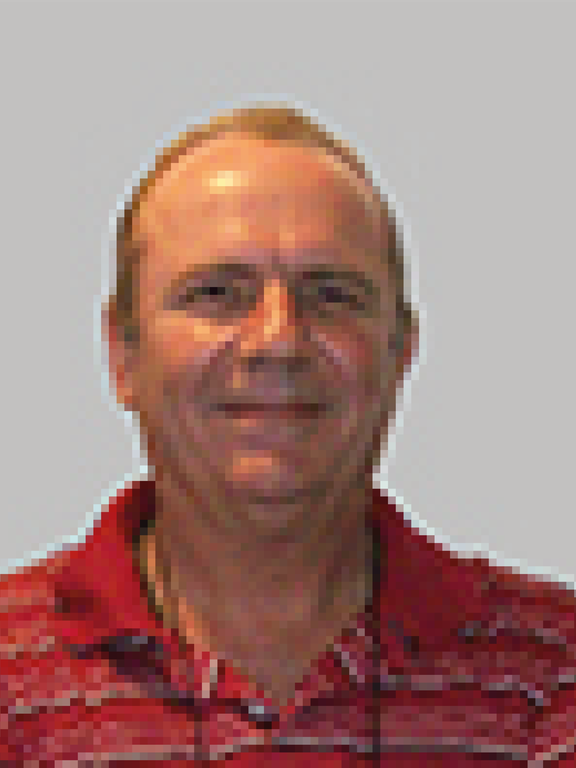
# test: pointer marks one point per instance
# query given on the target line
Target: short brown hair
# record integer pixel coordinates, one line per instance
(281, 124)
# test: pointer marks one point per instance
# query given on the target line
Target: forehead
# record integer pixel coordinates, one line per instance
(236, 184)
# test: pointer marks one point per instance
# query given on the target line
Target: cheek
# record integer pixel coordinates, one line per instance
(181, 365)
(177, 346)
(359, 361)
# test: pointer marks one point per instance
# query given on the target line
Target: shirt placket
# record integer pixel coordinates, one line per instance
(231, 712)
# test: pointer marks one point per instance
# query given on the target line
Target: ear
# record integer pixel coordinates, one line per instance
(406, 351)
(121, 357)
(405, 347)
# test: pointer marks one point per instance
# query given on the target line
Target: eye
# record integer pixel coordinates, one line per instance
(219, 293)
(211, 289)
(334, 295)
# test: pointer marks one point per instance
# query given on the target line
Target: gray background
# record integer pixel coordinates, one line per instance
(468, 111)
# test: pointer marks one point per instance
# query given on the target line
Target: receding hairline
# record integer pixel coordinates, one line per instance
(192, 181)
(185, 161)
(277, 125)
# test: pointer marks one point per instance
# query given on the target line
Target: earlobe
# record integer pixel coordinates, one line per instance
(405, 350)
(409, 346)
(120, 359)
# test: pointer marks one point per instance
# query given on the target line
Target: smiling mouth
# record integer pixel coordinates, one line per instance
(273, 426)
(258, 410)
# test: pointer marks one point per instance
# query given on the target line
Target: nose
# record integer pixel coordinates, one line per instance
(275, 331)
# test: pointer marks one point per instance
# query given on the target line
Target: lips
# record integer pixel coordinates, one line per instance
(272, 409)
(279, 426)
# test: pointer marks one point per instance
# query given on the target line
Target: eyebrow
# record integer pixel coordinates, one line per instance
(242, 269)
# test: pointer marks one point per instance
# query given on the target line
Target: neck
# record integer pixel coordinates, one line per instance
(215, 575)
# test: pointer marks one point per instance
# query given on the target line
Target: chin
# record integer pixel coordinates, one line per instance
(269, 490)
(271, 493)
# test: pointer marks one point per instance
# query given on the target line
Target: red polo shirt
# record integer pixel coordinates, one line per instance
(455, 662)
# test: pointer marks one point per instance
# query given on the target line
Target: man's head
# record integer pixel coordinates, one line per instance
(259, 327)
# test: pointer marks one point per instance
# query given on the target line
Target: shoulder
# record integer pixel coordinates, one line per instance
(28, 646)
(520, 637)
(44, 682)
(445, 593)
(527, 604)
(32, 646)
(27, 607)
(498, 675)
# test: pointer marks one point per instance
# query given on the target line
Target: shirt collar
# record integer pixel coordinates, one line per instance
(102, 598)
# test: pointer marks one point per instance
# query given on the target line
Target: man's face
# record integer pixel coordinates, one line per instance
(267, 314)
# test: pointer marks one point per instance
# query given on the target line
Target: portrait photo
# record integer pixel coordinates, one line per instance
(288, 413)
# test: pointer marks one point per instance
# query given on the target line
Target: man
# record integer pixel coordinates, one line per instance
(258, 600)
